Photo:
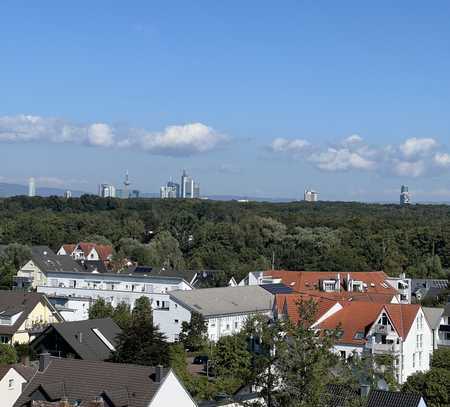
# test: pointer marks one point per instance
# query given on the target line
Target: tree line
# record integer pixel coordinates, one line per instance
(241, 237)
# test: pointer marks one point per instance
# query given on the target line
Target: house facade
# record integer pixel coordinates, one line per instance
(444, 327)
(12, 380)
(73, 293)
(24, 315)
(224, 309)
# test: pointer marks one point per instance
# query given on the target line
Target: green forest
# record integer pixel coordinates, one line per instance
(240, 237)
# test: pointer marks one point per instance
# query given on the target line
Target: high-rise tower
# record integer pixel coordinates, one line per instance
(405, 196)
(126, 184)
(31, 187)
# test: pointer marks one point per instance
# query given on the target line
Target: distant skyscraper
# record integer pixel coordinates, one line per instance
(311, 196)
(187, 186)
(135, 193)
(405, 196)
(170, 190)
(107, 191)
(196, 190)
(126, 184)
(68, 194)
(31, 187)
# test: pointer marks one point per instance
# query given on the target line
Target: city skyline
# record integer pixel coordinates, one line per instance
(325, 98)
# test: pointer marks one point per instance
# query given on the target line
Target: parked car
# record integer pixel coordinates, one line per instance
(200, 360)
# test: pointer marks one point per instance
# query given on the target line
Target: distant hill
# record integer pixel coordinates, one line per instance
(7, 190)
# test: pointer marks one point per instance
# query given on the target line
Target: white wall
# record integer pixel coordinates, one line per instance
(9, 394)
(172, 394)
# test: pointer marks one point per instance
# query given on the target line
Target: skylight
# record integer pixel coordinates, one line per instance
(104, 339)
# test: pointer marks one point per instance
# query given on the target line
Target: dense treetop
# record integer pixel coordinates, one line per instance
(240, 237)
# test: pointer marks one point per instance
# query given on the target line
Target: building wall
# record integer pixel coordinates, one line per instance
(172, 393)
(41, 314)
(10, 388)
(411, 347)
(347, 350)
(30, 270)
(169, 319)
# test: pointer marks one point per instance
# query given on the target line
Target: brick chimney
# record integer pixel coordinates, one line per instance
(44, 361)
(158, 373)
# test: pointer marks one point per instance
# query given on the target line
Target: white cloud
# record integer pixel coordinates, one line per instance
(282, 145)
(181, 140)
(341, 160)
(442, 160)
(409, 169)
(415, 157)
(417, 146)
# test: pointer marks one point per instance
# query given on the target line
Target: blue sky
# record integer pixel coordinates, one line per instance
(257, 98)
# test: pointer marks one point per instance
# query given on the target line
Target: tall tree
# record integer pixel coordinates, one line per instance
(8, 354)
(141, 342)
(193, 334)
(101, 309)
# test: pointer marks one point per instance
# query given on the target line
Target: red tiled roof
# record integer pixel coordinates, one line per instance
(104, 251)
(360, 316)
(289, 302)
(69, 248)
(309, 281)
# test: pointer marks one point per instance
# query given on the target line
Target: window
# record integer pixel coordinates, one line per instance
(4, 339)
(235, 325)
(176, 321)
(11, 383)
(343, 354)
(420, 359)
(414, 360)
(417, 340)
(228, 326)
(359, 335)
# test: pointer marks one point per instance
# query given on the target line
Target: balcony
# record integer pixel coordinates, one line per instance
(383, 329)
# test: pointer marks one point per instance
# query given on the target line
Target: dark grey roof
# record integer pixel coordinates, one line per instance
(88, 345)
(46, 260)
(433, 316)
(225, 300)
(122, 385)
(92, 266)
(417, 283)
(384, 398)
(13, 302)
(339, 395)
(27, 372)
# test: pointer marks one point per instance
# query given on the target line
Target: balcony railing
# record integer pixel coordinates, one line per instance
(383, 329)
(384, 347)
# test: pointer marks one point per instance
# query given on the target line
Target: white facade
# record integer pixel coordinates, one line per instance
(171, 318)
(311, 196)
(444, 331)
(411, 354)
(403, 286)
(33, 273)
(82, 289)
(172, 393)
(11, 387)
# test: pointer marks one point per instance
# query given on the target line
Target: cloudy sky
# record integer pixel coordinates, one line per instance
(256, 98)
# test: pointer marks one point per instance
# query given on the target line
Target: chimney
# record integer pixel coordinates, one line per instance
(365, 390)
(44, 361)
(158, 373)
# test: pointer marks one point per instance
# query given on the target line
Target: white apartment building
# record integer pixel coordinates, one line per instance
(73, 293)
(399, 330)
(225, 309)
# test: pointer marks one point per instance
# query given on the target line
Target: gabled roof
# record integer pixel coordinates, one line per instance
(433, 316)
(26, 372)
(82, 338)
(377, 289)
(288, 303)
(186, 275)
(69, 248)
(104, 251)
(46, 260)
(225, 300)
(124, 385)
(356, 318)
(384, 398)
(14, 302)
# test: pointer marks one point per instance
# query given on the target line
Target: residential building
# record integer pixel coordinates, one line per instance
(107, 191)
(23, 315)
(311, 196)
(68, 194)
(92, 339)
(12, 380)
(424, 288)
(87, 251)
(73, 293)
(405, 196)
(31, 187)
(225, 309)
(399, 330)
(80, 382)
(444, 328)
(374, 286)
(34, 272)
